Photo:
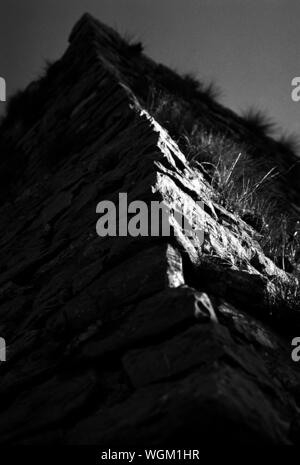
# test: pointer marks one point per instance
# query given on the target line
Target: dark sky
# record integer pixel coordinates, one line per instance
(251, 48)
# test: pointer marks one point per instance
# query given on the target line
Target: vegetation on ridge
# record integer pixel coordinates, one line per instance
(241, 185)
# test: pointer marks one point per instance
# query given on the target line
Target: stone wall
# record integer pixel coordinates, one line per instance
(121, 340)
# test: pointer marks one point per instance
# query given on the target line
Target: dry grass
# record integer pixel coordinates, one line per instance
(258, 122)
(284, 293)
(242, 186)
(132, 46)
(289, 144)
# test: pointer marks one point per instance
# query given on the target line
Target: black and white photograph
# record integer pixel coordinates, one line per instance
(149, 227)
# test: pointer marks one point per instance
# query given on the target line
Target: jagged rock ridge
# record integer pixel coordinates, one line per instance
(129, 341)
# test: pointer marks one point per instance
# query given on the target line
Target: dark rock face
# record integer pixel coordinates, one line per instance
(123, 340)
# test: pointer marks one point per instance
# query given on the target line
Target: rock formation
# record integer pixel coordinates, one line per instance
(131, 341)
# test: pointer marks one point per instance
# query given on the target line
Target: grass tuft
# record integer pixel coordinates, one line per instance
(133, 46)
(211, 90)
(258, 122)
(289, 144)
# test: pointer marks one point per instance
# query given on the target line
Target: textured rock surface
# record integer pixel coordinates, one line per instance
(130, 341)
